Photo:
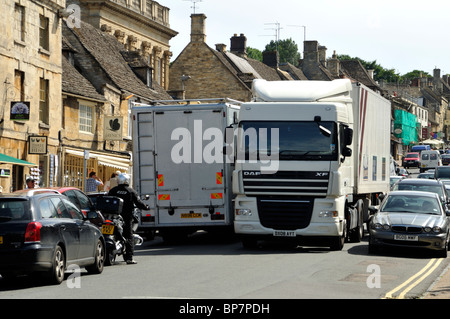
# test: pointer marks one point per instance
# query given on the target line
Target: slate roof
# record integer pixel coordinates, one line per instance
(106, 51)
(73, 82)
(354, 69)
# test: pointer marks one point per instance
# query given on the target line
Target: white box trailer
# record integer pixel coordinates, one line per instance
(179, 165)
(330, 162)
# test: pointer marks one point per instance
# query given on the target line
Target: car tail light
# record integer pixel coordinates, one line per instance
(33, 232)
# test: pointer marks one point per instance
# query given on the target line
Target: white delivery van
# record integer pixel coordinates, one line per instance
(429, 160)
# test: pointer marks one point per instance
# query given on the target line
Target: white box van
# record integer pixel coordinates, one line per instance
(429, 160)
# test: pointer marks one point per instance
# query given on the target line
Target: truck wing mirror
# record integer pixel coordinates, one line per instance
(348, 136)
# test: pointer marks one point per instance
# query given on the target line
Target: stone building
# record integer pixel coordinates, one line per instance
(30, 60)
(100, 79)
(140, 25)
(201, 72)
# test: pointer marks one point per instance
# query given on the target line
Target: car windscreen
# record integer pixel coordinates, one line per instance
(14, 209)
(411, 204)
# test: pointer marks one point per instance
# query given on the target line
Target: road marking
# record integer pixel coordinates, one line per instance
(428, 267)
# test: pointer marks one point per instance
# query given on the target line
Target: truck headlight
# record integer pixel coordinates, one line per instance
(243, 212)
(328, 214)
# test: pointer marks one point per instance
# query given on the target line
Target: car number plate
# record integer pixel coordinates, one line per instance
(406, 237)
(107, 229)
(1, 240)
(189, 215)
(284, 233)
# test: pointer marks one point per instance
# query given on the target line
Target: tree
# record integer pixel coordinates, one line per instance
(380, 73)
(255, 54)
(287, 50)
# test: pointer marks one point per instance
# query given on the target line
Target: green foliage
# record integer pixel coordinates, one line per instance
(387, 75)
(287, 49)
(255, 54)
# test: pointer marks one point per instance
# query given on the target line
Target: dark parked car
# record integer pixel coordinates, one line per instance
(442, 172)
(42, 231)
(82, 201)
(445, 159)
(410, 219)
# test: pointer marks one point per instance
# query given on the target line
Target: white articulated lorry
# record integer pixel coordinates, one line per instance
(311, 157)
(179, 165)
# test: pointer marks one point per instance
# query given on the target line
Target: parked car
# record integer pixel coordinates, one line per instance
(82, 201)
(424, 185)
(442, 172)
(402, 172)
(395, 179)
(410, 219)
(445, 159)
(411, 160)
(42, 231)
(426, 175)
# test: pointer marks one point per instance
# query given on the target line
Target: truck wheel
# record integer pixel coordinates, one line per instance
(337, 243)
(357, 233)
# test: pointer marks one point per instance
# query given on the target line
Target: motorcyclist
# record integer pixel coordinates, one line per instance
(130, 198)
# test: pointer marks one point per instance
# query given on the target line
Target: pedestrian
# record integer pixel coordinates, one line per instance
(113, 181)
(107, 185)
(93, 182)
(130, 198)
(30, 182)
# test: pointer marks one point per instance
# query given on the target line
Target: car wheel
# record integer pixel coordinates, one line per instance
(56, 275)
(97, 267)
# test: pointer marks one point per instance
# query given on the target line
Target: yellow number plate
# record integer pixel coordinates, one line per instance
(1, 240)
(107, 229)
(195, 215)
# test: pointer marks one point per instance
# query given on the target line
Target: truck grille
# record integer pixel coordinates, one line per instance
(284, 213)
(286, 183)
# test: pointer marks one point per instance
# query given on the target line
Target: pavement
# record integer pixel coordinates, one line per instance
(440, 289)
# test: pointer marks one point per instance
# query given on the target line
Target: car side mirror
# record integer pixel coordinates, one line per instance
(447, 213)
(372, 210)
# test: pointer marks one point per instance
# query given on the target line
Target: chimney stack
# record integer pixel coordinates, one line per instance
(271, 58)
(239, 45)
(198, 33)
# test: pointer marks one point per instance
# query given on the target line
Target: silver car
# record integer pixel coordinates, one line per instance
(410, 219)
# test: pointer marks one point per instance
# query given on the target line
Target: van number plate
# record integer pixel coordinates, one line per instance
(284, 233)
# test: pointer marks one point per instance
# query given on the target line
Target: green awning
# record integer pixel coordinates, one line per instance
(5, 159)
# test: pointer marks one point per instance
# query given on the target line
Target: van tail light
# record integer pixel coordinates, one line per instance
(33, 232)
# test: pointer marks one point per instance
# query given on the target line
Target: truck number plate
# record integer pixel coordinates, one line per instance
(189, 215)
(284, 233)
(406, 237)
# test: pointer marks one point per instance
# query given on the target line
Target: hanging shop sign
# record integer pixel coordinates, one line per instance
(37, 144)
(20, 111)
(113, 127)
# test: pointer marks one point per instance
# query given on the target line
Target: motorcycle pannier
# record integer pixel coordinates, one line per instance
(110, 204)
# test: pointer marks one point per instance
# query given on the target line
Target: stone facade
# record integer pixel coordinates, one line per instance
(30, 60)
(140, 25)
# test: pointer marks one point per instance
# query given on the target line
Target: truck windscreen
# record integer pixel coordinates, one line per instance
(293, 140)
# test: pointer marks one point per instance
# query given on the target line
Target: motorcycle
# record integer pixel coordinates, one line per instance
(112, 228)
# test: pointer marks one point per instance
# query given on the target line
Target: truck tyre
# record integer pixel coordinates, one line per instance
(337, 243)
(357, 233)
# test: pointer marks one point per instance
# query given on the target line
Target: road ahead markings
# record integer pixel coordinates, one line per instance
(426, 271)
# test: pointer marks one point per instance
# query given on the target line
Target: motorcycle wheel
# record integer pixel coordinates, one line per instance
(110, 258)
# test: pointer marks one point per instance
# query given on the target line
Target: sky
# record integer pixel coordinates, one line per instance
(397, 34)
